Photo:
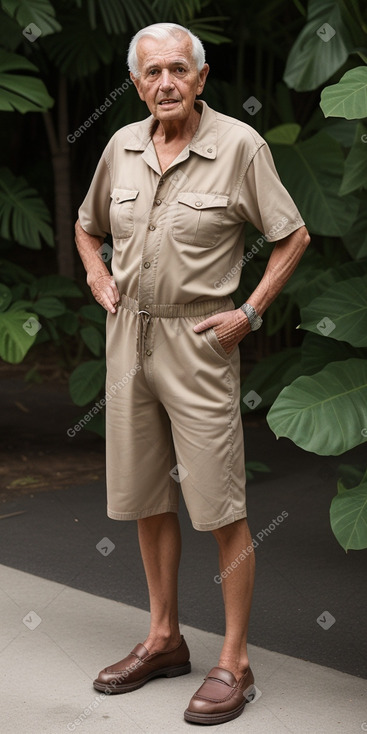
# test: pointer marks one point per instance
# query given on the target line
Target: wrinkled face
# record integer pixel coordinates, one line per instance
(169, 80)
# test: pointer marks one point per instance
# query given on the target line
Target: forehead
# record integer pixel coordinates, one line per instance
(164, 50)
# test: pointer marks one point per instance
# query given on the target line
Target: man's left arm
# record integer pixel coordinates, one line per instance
(232, 326)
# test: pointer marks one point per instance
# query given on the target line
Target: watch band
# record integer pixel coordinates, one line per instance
(253, 317)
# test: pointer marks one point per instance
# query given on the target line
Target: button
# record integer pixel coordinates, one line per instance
(147, 265)
(209, 150)
(148, 352)
(117, 198)
(146, 305)
(152, 227)
(198, 203)
(158, 202)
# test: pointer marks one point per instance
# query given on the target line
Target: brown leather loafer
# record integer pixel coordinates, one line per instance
(140, 666)
(221, 697)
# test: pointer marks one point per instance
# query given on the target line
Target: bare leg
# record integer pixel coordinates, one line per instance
(160, 546)
(237, 589)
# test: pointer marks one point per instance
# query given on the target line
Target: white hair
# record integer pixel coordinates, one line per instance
(164, 31)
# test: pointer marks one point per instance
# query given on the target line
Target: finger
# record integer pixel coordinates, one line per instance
(205, 324)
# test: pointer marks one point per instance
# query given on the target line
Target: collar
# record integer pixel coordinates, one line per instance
(203, 143)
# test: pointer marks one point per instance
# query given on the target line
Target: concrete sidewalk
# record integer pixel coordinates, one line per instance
(54, 639)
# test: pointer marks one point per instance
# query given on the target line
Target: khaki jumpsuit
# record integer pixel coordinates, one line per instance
(173, 418)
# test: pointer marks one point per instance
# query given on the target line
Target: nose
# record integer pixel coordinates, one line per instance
(166, 81)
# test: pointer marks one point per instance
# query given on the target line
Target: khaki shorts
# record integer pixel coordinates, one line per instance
(173, 416)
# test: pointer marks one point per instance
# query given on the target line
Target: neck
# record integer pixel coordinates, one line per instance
(177, 130)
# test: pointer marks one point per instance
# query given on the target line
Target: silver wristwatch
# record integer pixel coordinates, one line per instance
(253, 317)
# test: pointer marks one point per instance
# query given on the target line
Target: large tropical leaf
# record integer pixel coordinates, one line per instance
(119, 15)
(317, 352)
(87, 380)
(348, 516)
(355, 240)
(39, 12)
(341, 312)
(321, 48)
(15, 338)
(312, 172)
(78, 50)
(23, 215)
(324, 413)
(20, 92)
(355, 167)
(309, 281)
(347, 98)
(269, 376)
(56, 285)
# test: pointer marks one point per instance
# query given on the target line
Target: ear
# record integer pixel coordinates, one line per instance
(136, 81)
(202, 78)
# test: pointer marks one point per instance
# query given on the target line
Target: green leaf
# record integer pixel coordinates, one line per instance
(12, 273)
(321, 48)
(326, 412)
(312, 172)
(355, 240)
(68, 322)
(341, 312)
(255, 466)
(283, 134)
(15, 340)
(355, 167)
(317, 352)
(348, 518)
(49, 306)
(39, 12)
(347, 98)
(19, 92)
(58, 285)
(269, 376)
(93, 339)
(5, 297)
(78, 50)
(23, 215)
(87, 380)
(117, 15)
(94, 312)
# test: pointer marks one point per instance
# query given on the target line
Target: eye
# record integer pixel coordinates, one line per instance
(181, 69)
(153, 72)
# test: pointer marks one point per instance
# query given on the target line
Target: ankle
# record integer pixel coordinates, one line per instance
(157, 641)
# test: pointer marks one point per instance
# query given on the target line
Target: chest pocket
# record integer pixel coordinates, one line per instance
(199, 218)
(122, 212)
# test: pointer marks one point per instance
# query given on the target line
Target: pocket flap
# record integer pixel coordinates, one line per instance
(202, 201)
(120, 195)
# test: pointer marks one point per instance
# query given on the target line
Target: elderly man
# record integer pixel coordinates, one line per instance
(175, 192)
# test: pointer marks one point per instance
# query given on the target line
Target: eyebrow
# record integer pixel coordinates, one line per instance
(176, 62)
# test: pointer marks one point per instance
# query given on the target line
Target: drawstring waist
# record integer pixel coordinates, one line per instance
(170, 310)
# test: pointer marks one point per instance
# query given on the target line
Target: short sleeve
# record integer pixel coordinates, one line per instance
(94, 213)
(264, 201)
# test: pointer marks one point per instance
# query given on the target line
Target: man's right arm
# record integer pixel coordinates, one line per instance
(99, 279)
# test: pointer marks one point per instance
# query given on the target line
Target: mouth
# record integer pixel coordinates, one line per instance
(168, 102)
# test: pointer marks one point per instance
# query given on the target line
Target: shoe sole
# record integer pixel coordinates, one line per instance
(170, 672)
(220, 718)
